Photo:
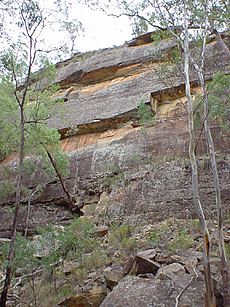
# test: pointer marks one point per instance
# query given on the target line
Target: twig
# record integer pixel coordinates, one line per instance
(186, 286)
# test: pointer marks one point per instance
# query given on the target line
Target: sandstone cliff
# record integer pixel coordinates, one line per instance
(120, 170)
(133, 181)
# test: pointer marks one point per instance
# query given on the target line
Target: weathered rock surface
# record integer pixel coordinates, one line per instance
(143, 265)
(135, 291)
(111, 83)
(93, 297)
(121, 171)
(40, 215)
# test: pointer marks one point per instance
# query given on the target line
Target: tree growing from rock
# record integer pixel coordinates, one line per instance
(26, 104)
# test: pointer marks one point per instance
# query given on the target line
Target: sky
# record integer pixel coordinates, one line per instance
(101, 31)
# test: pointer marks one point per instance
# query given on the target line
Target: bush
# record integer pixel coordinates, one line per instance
(120, 237)
(182, 241)
(145, 114)
(173, 229)
(97, 258)
(24, 255)
(72, 242)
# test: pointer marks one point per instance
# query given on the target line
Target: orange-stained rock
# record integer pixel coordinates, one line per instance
(118, 168)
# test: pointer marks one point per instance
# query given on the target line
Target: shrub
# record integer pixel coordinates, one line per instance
(97, 258)
(182, 241)
(145, 114)
(174, 229)
(120, 237)
(24, 255)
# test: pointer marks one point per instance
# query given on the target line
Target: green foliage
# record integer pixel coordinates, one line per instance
(179, 235)
(120, 238)
(176, 56)
(54, 245)
(97, 258)
(39, 106)
(77, 239)
(24, 255)
(160, 35)
(182, 241)
(157, 234)
(169, 14)
(139, 26)
(227, 218)
(72, 242)
(8, 117)
(198, 111)
(145, 114)
(219, 102)
(7, 189)
(219, 99)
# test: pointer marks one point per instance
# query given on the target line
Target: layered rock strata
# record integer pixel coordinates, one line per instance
(120, 170)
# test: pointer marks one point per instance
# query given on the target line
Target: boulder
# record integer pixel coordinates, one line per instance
(144, 265)
(170, 271)
(149, 253)
(114, 274)
(133, 291)
(92, 297)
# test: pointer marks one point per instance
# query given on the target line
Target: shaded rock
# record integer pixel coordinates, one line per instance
(134, 291)
(141, 39)
(90, 298)
(101, 231)
(144, 265)
(40, 215)
(214, 264)
(128, 264)
(114, 274)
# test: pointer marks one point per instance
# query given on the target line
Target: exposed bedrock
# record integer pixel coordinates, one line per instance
(120, 170)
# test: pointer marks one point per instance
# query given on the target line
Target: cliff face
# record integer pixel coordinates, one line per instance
(121, 170)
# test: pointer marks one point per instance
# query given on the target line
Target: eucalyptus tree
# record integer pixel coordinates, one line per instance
(187, 21)
(25, 103)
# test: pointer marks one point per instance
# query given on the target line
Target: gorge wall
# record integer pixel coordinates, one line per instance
(120, 170)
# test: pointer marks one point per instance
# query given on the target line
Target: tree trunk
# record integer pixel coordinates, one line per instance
(212, 154)
(209, 298)
(211, 148)
(71, 200)
(9, 268)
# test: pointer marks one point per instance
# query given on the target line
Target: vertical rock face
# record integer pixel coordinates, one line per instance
(121, 170)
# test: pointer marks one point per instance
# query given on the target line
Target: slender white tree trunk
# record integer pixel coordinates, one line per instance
(210, 298)
(212, 155)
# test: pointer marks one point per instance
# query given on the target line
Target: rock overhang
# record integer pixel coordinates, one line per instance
(111, 83)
